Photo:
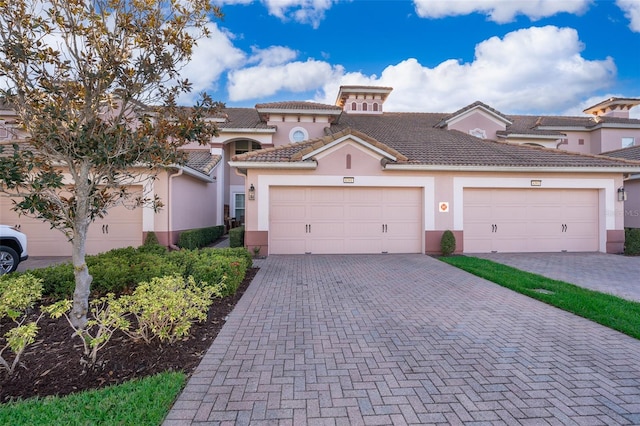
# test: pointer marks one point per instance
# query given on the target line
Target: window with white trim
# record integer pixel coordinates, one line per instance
(238, 207)
(628, 142)
(298, 134)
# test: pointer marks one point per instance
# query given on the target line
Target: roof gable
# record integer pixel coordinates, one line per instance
(328, 142)
(471, 109)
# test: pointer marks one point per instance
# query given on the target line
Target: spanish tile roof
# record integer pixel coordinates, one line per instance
(202, 161)
(631, 153)
(528, 125)
(242, 118)
(416, 140)
(298, 105)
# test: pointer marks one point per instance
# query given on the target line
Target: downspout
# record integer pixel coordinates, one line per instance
(169, 213)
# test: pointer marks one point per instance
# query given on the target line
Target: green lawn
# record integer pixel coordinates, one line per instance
(138, 402)
(611, 311)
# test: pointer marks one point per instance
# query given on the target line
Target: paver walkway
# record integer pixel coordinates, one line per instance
(607, 273)
(389, 339)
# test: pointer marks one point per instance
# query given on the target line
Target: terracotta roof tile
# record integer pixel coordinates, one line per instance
(202, 161)
(242, 118)
(297, 105)
(631, 153)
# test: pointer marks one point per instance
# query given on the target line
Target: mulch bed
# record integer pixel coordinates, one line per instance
(51, 366)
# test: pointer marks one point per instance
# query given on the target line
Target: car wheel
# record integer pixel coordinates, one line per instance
(8, 260)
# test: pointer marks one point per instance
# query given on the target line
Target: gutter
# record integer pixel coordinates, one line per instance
(528, 169)
(169, 214)
(307, 165)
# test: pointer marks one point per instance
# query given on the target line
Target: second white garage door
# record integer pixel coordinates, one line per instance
(327, 220)
(121, 227)
(530, 220)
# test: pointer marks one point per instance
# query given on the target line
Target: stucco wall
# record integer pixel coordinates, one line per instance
(632, 205)
(478, 120)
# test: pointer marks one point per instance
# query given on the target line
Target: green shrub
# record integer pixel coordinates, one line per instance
(198, 238)
(58, 280)
(236, 237)
(632, 241)
(151, 239)
(447, 243)
(106, 315)
(166, 307)
(18, 293)
(120, 270)
(235, 252)
(212, 268)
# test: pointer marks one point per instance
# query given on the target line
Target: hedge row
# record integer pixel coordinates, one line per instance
(198, 238)
(632, 241)
(236, 237)
(120, 270)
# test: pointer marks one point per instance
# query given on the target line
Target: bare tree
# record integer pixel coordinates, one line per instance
(79, 74)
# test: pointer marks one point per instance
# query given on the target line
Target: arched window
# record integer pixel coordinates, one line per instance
(375, 106)
(364, 106)
(354, 106)
(348, 161)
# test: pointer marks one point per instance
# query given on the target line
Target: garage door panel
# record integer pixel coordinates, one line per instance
(349, 220)
(368, 212)
(327, 212)
(535, 220)
(327, 245)
(283, 211)
(363, 245)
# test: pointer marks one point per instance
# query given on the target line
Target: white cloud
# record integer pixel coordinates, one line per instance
(631, 9)
(211, 57)
(260, 81)
(301, 11)
(500, 11)
(274, 55)
(535, 69)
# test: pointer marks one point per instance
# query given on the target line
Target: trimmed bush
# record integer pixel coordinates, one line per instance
(151, 239)
(632, 241)
(236, 237)
(198, 238)
(236, 252)
(447, 243)
(120, 270)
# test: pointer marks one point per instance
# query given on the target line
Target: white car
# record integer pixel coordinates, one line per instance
(13, 248)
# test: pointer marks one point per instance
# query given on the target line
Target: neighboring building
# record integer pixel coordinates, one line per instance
(306, 177)
(631, 186)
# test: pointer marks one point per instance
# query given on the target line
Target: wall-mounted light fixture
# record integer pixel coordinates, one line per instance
(622, 194)
(252, 192)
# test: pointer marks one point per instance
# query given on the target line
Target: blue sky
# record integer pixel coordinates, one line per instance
(519, 56)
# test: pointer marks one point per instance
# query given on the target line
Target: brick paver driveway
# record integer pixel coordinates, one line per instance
(392, 339)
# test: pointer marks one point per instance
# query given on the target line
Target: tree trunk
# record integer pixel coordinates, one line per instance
(83, 284)
(81, 272)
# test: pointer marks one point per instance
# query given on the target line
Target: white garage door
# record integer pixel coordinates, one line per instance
(328, 220)
(530, 220)
(120, 228)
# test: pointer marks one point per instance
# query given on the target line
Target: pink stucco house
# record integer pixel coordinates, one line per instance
(361, 180)
(305, 177)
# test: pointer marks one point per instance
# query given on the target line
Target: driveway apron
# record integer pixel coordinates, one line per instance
(405, 339)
